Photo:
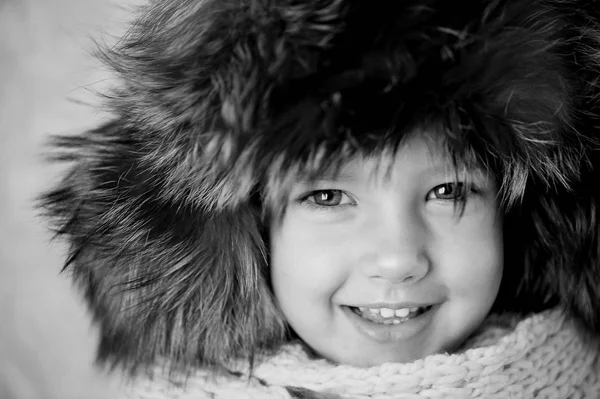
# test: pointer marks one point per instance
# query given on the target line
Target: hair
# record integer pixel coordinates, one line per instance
(222, 103)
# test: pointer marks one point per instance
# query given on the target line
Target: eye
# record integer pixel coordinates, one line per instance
(447, 192)
(326, 199)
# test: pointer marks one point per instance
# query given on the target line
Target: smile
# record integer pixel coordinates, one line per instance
(385, 326)
(389, 316)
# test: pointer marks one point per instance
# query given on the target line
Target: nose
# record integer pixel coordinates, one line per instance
(394, 250)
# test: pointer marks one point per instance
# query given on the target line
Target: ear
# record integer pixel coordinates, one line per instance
(161, 277)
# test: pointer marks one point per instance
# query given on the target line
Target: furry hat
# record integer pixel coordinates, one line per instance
(221, 103)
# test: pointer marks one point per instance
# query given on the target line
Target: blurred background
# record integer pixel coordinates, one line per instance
(47, 84)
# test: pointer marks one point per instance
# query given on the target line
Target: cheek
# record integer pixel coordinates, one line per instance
(306, 259)
(477, 259)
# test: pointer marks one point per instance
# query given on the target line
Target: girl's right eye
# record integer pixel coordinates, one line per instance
(326, 199)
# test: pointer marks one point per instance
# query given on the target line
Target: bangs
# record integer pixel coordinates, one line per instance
(467, 156)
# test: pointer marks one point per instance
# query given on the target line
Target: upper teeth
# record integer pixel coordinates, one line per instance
(387, 312)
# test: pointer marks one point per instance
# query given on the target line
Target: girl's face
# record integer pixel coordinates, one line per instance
(379, 265)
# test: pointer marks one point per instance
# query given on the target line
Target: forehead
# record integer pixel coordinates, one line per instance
(419, 154)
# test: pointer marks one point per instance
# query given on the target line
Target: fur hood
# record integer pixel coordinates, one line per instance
(220, 103)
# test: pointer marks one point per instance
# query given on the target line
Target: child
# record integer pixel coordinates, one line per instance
(345, 199)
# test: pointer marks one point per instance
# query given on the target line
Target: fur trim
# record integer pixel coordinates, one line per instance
(223, 101)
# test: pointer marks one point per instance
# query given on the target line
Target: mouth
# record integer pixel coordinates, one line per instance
(387, 316)
(386, 325)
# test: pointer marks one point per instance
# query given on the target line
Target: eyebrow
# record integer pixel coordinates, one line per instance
(442, 166)
(327, 178)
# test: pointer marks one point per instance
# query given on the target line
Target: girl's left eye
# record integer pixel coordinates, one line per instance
(447, 192)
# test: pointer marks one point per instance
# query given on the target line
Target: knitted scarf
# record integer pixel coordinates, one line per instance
(541, 356)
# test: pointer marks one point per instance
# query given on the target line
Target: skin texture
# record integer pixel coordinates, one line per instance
(388, 238)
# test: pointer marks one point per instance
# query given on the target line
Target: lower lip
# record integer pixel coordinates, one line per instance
(385, 333)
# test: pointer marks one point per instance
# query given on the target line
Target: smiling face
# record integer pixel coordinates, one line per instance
(379, 264)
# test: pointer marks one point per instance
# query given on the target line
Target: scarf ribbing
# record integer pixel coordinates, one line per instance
(541, 356)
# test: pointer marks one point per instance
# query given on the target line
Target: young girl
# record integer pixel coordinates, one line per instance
(345, 199)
